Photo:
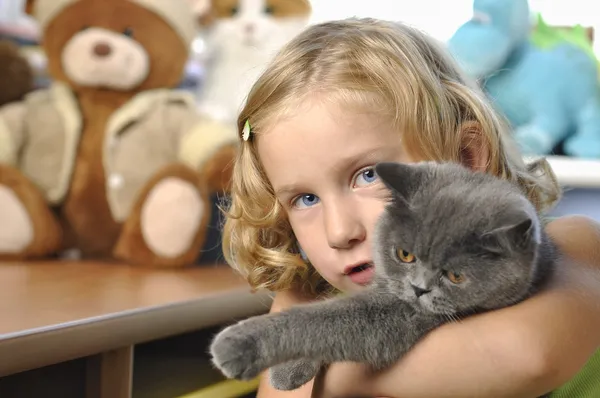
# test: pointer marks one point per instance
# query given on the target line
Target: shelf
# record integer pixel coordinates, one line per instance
(576, 173)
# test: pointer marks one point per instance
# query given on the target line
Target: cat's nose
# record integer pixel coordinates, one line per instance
(419, 291)
(249, 28)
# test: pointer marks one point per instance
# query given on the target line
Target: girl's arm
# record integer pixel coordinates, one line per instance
(282, 301)
(522, 351)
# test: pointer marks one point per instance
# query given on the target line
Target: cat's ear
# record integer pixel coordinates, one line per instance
(203, 11)
(518, 231)
(402, 179)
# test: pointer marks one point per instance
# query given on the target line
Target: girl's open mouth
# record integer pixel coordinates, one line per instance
(361, 274)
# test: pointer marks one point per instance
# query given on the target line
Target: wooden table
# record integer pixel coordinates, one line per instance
(52, 312)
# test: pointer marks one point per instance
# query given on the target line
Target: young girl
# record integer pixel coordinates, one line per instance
(339, 98)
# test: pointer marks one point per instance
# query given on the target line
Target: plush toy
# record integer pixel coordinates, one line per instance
(546, 37)
(16, 75)
(548, 94)
(242, 36)
(111, 160)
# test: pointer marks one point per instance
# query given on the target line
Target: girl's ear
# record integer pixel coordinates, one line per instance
(474, 148)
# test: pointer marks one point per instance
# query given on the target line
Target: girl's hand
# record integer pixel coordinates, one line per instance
(538, 345)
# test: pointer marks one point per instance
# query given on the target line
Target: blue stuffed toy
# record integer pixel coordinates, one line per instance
(549, 95)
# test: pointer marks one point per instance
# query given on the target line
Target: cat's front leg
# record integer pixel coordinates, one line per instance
(236, 350)
(294, 374)
(357, 328)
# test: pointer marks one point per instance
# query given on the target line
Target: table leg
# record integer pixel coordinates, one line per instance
(110, 374)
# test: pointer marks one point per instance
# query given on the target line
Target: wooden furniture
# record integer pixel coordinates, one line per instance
(55, 312)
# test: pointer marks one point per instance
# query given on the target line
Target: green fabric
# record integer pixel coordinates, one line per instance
(546, 36)
(586, 384)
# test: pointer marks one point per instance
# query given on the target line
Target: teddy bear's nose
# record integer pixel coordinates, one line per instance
(102, 49)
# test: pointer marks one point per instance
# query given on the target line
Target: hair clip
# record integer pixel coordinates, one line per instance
(246, 131)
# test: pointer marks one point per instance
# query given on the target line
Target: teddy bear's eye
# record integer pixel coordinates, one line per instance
(128, 32)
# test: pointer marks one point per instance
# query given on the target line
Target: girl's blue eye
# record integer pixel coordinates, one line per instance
(306, 200)
(366, 177)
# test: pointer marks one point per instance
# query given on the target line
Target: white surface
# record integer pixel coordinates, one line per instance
(441, 18)
(576, 173)
(10, 9)
(438, 17)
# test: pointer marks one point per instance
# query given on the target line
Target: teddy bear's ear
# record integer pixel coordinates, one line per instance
(29, 5)
(203, 10)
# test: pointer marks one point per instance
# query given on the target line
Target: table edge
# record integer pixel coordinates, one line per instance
(50, 345)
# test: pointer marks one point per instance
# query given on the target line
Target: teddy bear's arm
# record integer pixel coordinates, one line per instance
(12, 131)
(197, 138)
(201, 139)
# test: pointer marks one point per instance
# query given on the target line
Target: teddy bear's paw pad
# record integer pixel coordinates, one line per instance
(16, 227)
(171, 216)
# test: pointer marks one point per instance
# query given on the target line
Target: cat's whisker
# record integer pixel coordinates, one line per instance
(448, 317)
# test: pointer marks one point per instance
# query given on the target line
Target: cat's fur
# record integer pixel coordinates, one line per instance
(242, 37)
(452, 220)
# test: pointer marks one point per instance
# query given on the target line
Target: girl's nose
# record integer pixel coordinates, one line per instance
(343, 227)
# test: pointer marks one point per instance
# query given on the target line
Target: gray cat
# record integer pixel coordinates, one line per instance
(451, 243)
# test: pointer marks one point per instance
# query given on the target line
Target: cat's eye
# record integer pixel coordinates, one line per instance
(455, 277)
(128, 32)
(405, 257)
(233, 11)
(269, 10)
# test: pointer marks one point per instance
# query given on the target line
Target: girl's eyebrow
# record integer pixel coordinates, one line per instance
(361, 158)
(351, 162)
(286, 190)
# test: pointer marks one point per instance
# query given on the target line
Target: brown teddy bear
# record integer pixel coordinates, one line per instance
(16, 75)
(111, 160)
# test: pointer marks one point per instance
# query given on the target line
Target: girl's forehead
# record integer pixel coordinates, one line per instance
(330, 121)
(324, 137)
(325, 123)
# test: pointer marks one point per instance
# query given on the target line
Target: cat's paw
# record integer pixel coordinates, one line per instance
(235, 353)
(294, 374)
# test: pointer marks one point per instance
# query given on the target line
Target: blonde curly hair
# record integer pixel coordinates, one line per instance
(389, 68)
